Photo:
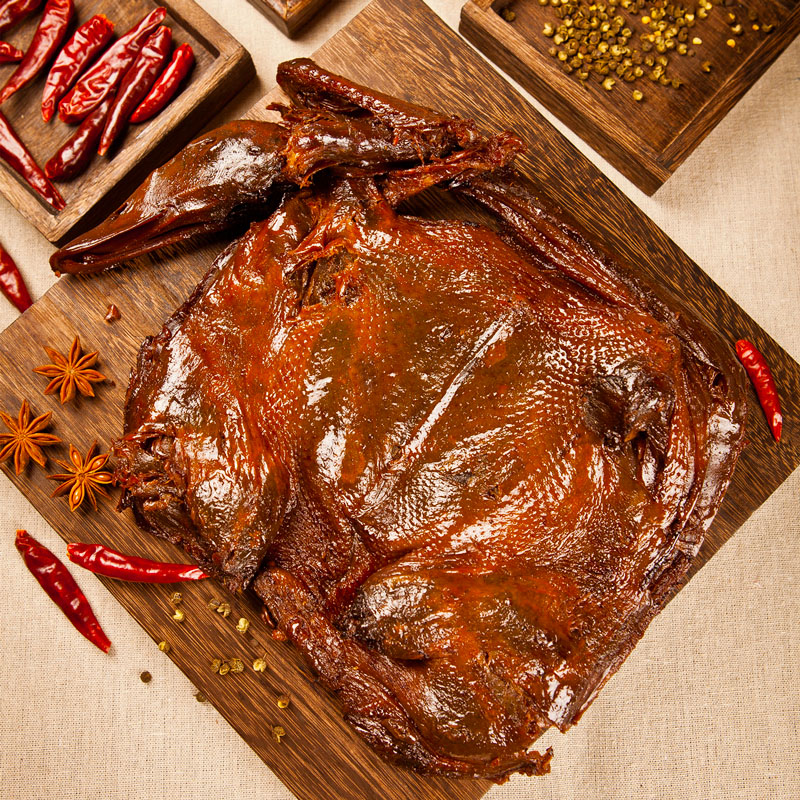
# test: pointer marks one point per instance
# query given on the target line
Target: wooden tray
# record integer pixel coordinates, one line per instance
(398, 46)
(289, 16)
(646, 141)
(222, 67)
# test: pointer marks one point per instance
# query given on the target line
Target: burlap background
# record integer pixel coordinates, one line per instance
(706, 707)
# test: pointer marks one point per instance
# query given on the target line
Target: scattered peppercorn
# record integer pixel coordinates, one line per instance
(637, 95)
(179, 616)
(224, 668)
(224, 609)
(164, 647)
(213, 604)
(259, 665)
(146, 677)
(216, 664)
(200, 697)
(242, 625)
(283, 701)
(508, 15)
(277, 733)
(176, 598)
(237, 665)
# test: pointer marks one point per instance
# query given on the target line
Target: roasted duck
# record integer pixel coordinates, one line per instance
(462, 465)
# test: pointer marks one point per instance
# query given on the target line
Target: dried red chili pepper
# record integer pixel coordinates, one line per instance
(104, 561)
(89, 40)
(9, 53)
(75, 154)
(16, 155)
(106, 74)
(135, 85)
(11, 283)
(759, 372)
(167, 84)
(49, 34)
(60, 586)
(12, 12)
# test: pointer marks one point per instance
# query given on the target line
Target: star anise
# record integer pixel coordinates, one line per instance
(70, 373)
(84, 478)
(26, 439)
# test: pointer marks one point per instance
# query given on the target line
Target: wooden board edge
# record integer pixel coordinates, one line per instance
(289, 18)
(617, 144)
(17, 193)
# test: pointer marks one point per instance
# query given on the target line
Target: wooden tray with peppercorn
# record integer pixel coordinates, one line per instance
(221, 67)
(642, 81)
(400, 47)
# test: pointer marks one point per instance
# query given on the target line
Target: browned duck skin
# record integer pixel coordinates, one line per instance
(558, 242)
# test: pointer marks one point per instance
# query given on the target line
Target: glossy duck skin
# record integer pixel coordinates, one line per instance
(466, 467)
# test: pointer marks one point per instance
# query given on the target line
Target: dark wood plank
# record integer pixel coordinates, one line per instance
(647, 141)
(222, 67)
(398, 46)
(289, 16)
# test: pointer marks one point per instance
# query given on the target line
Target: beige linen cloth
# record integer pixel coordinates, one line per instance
(707, 705)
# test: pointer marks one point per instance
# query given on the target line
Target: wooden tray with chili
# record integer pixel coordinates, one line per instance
(184, 69)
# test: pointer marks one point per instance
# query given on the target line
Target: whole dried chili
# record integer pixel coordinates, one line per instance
(135, 85)
(11, 283)
(89, 40)
(105, 75)
(47, 39)
(9, 53)
(74, 156)
(60, 586)
(167, 84)
(12, 12)
(759, 372)
(16, 155)
(104, 561)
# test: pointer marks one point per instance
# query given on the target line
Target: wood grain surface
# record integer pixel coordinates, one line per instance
(646, 141)
(289, 16)
(222, 67)
(401, 47)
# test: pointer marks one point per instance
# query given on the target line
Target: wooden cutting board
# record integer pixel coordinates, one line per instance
(222, 67)
(647, 140)
(401, 47)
